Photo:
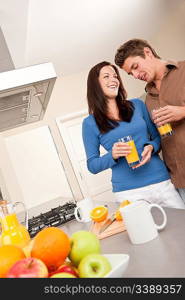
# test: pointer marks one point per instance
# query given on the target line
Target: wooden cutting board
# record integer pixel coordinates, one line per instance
(114, 228)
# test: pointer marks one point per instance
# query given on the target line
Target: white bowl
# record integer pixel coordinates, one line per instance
(119, 263)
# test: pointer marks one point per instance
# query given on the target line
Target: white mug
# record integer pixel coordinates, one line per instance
(83, 209)
(139, 221)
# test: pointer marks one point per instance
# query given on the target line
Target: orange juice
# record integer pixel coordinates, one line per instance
(13, 232)
(165, 130)
(133, 157)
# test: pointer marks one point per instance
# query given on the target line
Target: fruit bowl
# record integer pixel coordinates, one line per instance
(119, 263)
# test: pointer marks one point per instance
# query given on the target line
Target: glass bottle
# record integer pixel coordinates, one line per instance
(13, 232)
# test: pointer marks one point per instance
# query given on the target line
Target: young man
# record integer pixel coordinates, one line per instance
(165, 89)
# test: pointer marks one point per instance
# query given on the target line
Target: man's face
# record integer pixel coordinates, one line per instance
(140, 68)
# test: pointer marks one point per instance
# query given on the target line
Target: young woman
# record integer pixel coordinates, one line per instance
(111, 117)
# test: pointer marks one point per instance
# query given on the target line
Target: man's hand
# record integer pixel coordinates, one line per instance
(146, 156)
(168, 114)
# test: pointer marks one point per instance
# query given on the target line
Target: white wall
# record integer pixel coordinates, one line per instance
(170, 40)
(69, 94)
(17, 24)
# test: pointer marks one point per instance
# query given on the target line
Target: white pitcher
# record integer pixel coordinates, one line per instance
(139, 221)
(83, 209)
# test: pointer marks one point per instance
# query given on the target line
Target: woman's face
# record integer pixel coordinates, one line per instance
(109, 82)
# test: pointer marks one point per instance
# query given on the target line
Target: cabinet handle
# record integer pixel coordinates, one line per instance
(25, 98)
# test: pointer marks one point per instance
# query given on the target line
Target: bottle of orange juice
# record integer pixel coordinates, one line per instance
(13, 232)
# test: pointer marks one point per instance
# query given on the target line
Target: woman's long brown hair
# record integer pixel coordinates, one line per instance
(97, 101)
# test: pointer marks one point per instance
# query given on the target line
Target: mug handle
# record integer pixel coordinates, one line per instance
(25, 212)
(76, 214)
(159, 227)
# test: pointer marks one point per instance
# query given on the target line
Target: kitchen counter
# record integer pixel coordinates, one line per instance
(161, 257)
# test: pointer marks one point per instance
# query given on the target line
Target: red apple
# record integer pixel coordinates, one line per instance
(28, 268)
(66, 268)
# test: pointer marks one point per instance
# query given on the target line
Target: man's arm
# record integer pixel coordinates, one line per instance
(168, 113)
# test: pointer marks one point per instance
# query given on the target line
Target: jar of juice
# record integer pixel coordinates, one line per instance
(13, 232)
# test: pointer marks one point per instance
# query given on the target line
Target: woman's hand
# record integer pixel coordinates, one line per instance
(146, 156)
(120, 149)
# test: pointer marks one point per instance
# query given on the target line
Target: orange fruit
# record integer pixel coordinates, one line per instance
(9, 255)
(99, 213)
(118, 215)
(52, 246)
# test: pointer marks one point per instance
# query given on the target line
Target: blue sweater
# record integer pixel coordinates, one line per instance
(143, 132)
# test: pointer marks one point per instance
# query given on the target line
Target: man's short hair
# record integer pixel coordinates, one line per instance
(134, 47)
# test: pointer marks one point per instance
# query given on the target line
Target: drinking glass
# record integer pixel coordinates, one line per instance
(133, 157)
(164, 130)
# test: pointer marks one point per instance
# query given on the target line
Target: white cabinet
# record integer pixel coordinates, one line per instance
(98, 186)
(38, 170)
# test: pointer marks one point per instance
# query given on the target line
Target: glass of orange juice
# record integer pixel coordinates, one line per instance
(133, 157)
(165, 129)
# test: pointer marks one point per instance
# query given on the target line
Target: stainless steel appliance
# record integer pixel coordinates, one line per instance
(25, 94)
(54, 217)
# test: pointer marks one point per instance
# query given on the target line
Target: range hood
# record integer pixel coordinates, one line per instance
(24, 94)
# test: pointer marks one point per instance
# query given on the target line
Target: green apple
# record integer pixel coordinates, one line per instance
(83, 243)
(63, 275)
(93, 266)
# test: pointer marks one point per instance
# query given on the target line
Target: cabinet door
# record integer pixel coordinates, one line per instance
(37, 167)
(94, 185)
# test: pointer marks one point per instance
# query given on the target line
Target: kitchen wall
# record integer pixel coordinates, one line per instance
(69, 96)
(6, 62)
(170, 41)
